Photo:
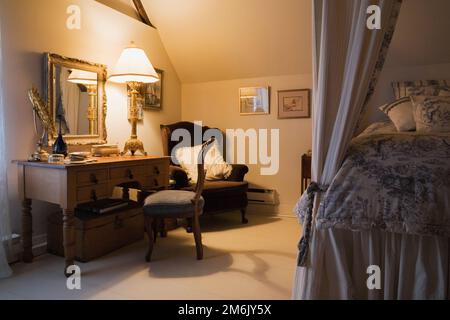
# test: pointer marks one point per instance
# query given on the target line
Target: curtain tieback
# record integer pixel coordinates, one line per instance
(303, 245)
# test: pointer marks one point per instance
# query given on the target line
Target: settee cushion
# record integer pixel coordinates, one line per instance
(223, 188)
(223, 195)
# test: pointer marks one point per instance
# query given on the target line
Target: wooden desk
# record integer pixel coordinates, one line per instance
(70, 185)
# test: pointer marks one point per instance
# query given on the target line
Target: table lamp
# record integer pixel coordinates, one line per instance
(134, 68)
(89, 79)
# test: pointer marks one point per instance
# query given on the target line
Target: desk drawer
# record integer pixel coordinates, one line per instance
(91, 193)
(156, 168)
(130, 173)
(92, 177)
(155, 182)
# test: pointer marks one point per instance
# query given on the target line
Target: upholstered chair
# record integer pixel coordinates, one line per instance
(178, 204)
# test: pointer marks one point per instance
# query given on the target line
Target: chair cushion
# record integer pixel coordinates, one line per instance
(171, 203)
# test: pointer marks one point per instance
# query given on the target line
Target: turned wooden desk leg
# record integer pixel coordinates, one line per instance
(69, 237)
(27, 231)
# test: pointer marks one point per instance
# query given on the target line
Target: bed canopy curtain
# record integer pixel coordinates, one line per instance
(347, 59)
(5, 233)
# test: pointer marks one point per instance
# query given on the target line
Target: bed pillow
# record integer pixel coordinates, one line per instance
(401, 114)
(432, 114)
(419, 88)
(215, 166)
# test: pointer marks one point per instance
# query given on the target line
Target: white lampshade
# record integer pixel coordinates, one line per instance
(133, 66)
(83, 77)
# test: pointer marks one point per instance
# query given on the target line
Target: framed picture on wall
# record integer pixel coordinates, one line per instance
(254, 100)
(153, 92)
(150, 95)
(294, 103)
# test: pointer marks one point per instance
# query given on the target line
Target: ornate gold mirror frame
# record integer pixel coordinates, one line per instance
(51, 60)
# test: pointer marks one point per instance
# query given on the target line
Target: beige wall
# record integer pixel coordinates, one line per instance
(31, 27)
(216, 104)
(418, 39)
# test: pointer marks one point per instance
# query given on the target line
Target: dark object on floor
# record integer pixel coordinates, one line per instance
(178, 204)
(220, 196)
(97, 235)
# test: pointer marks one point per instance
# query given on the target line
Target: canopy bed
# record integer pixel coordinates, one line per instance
(381, 198)
(388, 206)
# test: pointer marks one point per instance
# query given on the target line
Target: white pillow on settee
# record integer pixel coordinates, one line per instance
(215, 166)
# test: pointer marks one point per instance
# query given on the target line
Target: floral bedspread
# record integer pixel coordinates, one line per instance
(398, 182)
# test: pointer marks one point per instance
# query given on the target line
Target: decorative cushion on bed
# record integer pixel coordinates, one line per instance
(401, 114)
(432, 114)
(215, 166)
(419, 88)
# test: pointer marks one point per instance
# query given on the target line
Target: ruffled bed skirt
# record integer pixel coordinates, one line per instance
(412, 266)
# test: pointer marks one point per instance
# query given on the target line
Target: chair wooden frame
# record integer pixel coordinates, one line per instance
(150, 221)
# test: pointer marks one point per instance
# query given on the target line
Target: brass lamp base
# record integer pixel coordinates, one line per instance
(133, 145)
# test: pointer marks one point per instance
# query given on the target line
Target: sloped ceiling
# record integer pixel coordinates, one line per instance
(125, 6)
(209, 40)
(422, 34)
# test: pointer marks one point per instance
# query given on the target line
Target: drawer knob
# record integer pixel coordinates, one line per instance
(94, 178)
(94, 195)
(130, 174)
(118, 223)
(156, 170)
(156, 182)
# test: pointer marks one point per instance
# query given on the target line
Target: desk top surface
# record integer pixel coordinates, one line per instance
(100, 161)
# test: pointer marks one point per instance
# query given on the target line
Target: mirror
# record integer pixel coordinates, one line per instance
(76, 101)
(75, 92)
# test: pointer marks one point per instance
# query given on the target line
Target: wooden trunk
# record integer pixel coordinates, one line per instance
(97, 235)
